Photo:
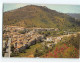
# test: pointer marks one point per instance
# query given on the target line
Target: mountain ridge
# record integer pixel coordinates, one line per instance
(38, 16)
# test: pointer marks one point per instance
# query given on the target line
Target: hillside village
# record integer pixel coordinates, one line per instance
(21, 38)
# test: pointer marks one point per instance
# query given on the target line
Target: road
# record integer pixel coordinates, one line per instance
(8, 49)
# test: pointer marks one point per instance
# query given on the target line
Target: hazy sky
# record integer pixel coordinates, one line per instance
(59, 8)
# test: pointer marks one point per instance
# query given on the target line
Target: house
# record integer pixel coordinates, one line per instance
(49, 39)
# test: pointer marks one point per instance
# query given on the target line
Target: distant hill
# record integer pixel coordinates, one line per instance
(39, 16)
(75, 15)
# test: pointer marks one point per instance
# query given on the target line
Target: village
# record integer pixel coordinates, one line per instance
(21, 38)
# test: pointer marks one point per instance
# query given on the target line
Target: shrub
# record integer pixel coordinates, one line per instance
(14, 54)
(12, 48)
(38, 53)
(72, 40)
(65, 51)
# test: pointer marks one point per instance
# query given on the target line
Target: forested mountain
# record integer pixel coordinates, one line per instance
(74, 15)
(39, 16)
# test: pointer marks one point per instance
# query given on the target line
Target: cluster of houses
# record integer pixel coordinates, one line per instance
(52, 40)
(23, 41)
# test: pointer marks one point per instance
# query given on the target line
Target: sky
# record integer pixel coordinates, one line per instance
(57, 7)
